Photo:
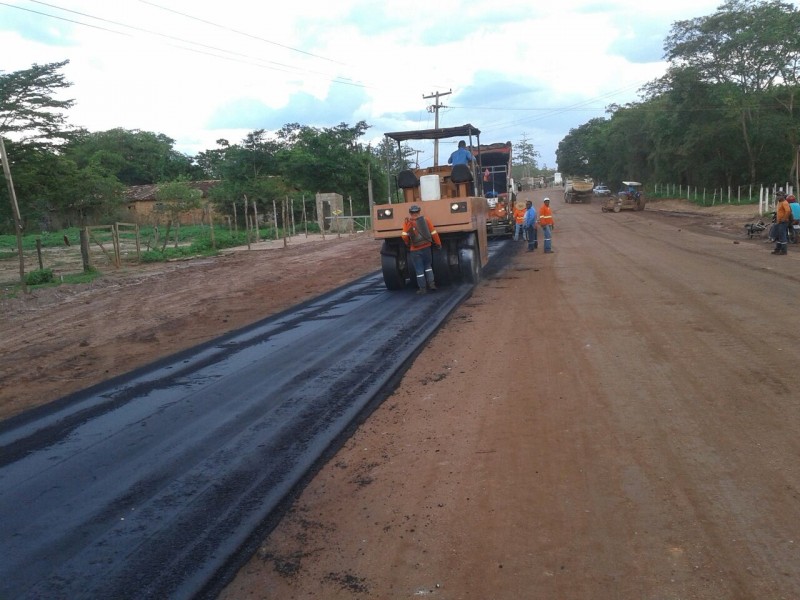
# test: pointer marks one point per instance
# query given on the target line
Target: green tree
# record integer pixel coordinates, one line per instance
(328, 159)
(31, 114)
(747, 49)
(28, 104)
(174, 199)
(132, 156)
(525, 155)
(578, 153)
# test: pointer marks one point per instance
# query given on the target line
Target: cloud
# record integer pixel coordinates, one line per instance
(30, 26)
(342, 104)
(197, 73)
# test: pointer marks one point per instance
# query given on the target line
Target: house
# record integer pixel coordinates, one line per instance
(142, 204)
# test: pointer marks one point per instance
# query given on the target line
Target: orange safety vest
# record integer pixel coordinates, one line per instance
(784, 213)
(519, 215)
(545, 216)
(414, 239)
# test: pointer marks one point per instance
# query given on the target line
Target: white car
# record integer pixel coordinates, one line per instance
(601, 190)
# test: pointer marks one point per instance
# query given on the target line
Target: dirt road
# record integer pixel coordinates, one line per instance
(616, 420)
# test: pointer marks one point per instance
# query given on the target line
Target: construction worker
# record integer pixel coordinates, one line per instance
(545, 220)
(783, 219)
(529, 224)
(419, 234)
(519, 220)
(794, 221)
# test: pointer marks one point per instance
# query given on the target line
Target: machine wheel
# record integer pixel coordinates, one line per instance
(604, 209)
(441, 266)
(469, 261)
(392, 274)
(640, 205)
(617, 208)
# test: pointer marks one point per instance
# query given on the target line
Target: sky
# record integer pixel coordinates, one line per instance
(198, 71)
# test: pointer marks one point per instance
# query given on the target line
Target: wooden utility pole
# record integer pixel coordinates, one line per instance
(434, 108)
(15, 207)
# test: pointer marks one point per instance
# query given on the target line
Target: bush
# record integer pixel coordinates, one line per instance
(39, 277)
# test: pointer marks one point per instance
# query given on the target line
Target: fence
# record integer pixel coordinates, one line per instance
(763, 195)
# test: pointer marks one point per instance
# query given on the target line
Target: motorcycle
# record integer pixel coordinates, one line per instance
(755, 229)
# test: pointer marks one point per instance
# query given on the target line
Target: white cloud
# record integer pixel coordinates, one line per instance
(221, 70)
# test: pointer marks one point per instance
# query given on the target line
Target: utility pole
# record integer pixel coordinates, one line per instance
(434, 108)
(417, 159)
(15, 207)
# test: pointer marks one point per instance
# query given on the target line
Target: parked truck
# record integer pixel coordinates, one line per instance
(452, 198)
(494, 163)
(578, 189)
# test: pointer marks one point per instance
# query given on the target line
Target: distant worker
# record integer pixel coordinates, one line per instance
(783, 218)
(529, 224)
(461, 156)
(519, 220)
(419, 235)
(545, 220)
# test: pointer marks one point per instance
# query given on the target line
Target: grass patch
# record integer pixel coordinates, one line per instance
(39, 277)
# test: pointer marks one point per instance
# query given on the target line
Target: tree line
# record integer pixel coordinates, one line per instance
(70, 176)
(725, 114)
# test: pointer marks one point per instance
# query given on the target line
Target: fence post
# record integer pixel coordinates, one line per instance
(87, 266)
(352, 224)
(275, 218)
(39, 252)
(211, 225)
(285, 219)
(115, 244)
(305, 218)
(246, 224)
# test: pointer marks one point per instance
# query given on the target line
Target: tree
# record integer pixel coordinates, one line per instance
(134, 157)
(330, 159)
(579, 152)
(174, 199)
(526, 156)
(30, 112)
(747, 49)
(28, 106)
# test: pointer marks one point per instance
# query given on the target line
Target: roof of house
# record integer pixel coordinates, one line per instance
(145, 193)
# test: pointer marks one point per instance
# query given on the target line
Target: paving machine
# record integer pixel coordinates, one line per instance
(494, 164)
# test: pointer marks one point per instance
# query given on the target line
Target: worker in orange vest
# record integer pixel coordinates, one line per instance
(519, 220)
(545, 220)
(419, 234)
(783, 219)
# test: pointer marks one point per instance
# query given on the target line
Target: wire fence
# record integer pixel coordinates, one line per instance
(763, 195)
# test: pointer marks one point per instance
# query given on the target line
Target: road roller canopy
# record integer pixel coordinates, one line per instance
(435, 134)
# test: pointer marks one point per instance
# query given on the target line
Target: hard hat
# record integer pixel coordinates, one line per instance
(547, 199)
(413, 208)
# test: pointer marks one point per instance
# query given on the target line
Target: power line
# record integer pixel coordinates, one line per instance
(236, 31)
(200, 48)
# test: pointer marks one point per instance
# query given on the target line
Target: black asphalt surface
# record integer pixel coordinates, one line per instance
(151, 485)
